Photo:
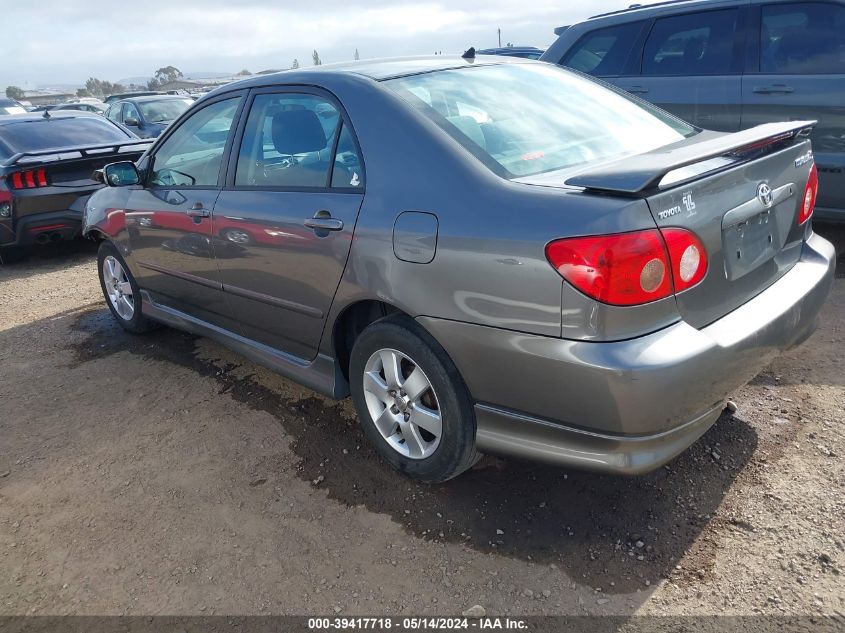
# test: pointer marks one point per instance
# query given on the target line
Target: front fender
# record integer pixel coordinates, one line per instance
(104, 213)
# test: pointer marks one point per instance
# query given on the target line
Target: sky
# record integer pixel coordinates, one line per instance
(52, 42)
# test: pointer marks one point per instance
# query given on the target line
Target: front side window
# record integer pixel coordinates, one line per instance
(192, 155)
(803, 38)
(130, 112)
(605, 52)
(691, 44)
(287, 142)
(113, 113)
(525, 119)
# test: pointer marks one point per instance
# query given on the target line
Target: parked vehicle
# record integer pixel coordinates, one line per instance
(525, 52)
(10, 106)
(493, 255)
(120, 96)
(94, 108)
(46, 166)
(729, 65)
(147, 117)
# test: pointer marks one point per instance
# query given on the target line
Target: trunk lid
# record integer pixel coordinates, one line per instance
(739, 193)
(747, 219)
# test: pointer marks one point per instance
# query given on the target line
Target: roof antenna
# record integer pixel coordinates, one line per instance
(470, 53)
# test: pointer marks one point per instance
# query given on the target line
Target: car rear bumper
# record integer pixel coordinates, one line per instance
(42, 228)
(628, 406)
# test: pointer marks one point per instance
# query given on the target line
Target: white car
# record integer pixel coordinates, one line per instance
(10, 106)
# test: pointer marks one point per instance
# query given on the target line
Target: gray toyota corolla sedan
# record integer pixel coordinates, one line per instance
(489, 255)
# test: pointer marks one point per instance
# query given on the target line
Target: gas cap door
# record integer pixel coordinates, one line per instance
(415, 237)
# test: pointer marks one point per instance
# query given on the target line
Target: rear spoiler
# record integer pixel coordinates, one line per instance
(75, 153)
(683, 162)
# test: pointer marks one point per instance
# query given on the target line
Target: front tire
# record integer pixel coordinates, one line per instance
(121, 291)
(412, 402)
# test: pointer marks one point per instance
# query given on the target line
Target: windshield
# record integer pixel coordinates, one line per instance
(59, 133)
(164, 110)
(525, 119)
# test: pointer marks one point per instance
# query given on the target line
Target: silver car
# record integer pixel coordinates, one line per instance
(489, 255)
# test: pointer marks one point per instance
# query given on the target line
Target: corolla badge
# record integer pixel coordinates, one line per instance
(764, 194)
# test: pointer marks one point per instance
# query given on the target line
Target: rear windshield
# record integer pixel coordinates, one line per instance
(164, 110)
(56, 133)
(526, 119)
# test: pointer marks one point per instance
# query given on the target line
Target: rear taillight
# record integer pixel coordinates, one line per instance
(628, 269)
(30, 179)
(811, 192)
(689, 259)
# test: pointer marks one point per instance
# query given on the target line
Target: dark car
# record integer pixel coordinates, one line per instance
(131, 95)
(729, 65)
(147, 117)
(46, 172)
(525, 52)
(490, 255)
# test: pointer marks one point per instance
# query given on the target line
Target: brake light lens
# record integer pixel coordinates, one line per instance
(30, 179)
(627, 269)
(811, 192)
(623, 269)
(689, 259)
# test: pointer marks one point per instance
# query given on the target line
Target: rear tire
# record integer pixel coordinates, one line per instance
(121, 291)
(412, 402)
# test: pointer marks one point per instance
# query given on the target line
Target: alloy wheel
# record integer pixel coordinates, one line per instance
(402, 404)
(118, 288)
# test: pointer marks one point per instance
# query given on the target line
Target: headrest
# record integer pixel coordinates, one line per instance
(297, 132)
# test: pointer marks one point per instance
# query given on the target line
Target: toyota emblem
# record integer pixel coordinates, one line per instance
(764, 194)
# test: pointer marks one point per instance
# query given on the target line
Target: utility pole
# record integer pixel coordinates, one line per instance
(500, 37)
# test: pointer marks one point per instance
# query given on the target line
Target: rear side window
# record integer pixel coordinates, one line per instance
(691, 44)
(288, 142)
(804, 38)
(59, 133)
(604, 53)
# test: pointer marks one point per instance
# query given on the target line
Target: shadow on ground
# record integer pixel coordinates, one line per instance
(620, 534)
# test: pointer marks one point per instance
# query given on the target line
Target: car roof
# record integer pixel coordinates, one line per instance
(640, 9)
(377, 69)
(146, 98)
(54, 114)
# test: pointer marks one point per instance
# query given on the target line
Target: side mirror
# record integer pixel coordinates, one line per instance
(122, 174)
(132, 122)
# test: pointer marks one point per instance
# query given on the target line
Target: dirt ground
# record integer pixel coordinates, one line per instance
(163, 474)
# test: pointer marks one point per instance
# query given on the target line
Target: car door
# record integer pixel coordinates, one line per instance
(797, 72)
(169, 218)
(284, 221)
(691, 65)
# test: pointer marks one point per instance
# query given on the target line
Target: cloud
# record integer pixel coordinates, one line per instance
(66, 41)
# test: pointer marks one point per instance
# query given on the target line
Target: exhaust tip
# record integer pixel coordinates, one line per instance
(42, 238)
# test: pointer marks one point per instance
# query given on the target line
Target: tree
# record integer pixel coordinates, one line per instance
(295, 64)
(357, 55)
(244, 73)
(13, 92)
(82, 92)
(167, 74)
(101, 88)
(316, 57)
(153, 84)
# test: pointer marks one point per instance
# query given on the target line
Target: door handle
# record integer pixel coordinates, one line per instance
(323, 221)
(774, 89)
(198, 211)
(637, 90)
